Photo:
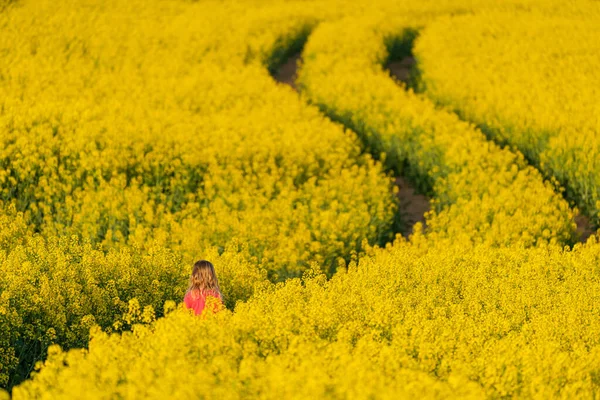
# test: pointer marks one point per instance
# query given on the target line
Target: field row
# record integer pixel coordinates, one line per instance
(529, 80)
(483, 194)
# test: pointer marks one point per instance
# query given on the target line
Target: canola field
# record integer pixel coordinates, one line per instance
(139, 136)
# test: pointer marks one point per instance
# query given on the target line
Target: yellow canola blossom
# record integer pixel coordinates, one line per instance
(155, 151)
(530, 79)
(134, 140)
(138, 136)
(440, 322)
(165, 147)
(482, 193)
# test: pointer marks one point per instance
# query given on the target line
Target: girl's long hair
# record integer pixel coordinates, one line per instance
(203, 279)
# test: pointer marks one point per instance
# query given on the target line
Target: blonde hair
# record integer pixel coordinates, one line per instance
(203, 278)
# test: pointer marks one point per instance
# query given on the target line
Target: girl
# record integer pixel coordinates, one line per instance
(203, 284)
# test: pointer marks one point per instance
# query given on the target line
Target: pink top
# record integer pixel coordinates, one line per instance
(197, 303)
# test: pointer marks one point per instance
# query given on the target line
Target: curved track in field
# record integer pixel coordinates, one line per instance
(403, 68)
(412, 205)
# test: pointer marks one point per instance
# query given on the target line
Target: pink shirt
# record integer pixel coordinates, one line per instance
(197, 303)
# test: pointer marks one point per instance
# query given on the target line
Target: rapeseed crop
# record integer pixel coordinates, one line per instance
(435, 321)
(139, 136)
(120, 148)
(528, 78)
(473, 181)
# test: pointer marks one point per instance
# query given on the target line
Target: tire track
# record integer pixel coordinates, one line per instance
(404, 68)
(412, 205)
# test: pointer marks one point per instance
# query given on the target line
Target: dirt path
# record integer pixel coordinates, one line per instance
(412, 206)
(287, 72)
(401, 69)
(585, 228)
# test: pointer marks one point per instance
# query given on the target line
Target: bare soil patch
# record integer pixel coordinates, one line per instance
(585, 228)
(287, 72)
(402, 69)
(412, 206)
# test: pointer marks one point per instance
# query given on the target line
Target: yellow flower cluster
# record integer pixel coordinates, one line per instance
(138, 136)
(132, 142)
(529, 78)
(483, 194)
(441, 322)
(154, 152)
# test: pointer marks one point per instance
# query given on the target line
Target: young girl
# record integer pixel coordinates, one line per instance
(203, 284)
